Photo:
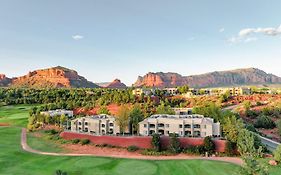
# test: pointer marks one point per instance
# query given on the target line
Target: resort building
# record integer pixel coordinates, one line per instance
(58, 112)
(183, 125)
(144, 91)
(98, 125)
(183, 111)
(171, 91)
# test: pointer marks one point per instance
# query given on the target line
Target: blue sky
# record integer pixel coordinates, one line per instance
(108, 39)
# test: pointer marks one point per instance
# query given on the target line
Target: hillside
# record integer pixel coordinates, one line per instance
(249, 76)
(116, 84)
(55, 77)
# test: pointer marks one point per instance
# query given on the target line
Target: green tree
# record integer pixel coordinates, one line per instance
(249, 144)
(136, 115)
(277, 154)
(183, 89)
(123, 118)
(162, 109)
(209, 145)
(264, 122)
(62, 119)
(253, 167)
(247, 105)
(156, 142)
(103, 110)
(231, 128)
(174, 143)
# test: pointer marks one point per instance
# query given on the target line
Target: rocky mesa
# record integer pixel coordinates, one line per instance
(248, 76)
(55, 77)
(116, 84)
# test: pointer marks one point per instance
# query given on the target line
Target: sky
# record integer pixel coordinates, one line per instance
(107, 39)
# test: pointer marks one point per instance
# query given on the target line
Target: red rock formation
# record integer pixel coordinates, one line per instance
(116, 84)
(52, 78)
(224, 78)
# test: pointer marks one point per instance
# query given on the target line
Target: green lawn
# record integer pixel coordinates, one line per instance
(42, 143)
(14, 161)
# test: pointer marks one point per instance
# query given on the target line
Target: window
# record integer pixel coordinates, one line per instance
(180, 126)
(111, 124)
(144, 125)
(79, 123)
(86, 123)
(181, 133)
(167, 132)
(196, 126)
(102, 125)
(187, 126)
(167, 125)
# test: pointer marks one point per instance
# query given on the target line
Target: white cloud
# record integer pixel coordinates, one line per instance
(244, 34)
(221, 30)
(77, 37)
(251, 39)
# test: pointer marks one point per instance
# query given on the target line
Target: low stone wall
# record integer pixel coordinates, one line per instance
(141, 142)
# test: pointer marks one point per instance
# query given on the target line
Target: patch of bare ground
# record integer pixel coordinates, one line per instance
(92, 149)
(4, 124)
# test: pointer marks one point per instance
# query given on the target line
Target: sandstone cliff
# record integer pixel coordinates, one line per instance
(249, 76)
(52, 78)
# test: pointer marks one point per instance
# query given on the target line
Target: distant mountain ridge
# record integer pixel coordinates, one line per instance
(248, 76)
(4, 81)
(55, 77)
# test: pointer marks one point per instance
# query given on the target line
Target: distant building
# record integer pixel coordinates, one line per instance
(58, 112)
(233, 91)
(144, 91)
(183, 125)
(171, 91)
(183, 111)
(97, 125)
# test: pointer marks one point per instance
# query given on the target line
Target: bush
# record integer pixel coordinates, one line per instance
(279, 126)
(230, 148)
(75, 141)
(250, 127)
(251, 114)
(149, 152)
(174, 143)
(85, 141)
(264, 122)
(195, 150)
(209, 145)
(132, 148)
(277, 153)
(51, 131)
(156, 142)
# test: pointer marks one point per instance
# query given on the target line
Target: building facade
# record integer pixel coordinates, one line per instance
(183, 125)
(58, 112)
(97, 125)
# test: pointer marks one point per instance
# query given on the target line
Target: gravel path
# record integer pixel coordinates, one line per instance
(233, 160)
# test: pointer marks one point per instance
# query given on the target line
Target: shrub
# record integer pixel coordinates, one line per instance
(196, 150)
(209, 145)
(264, 122)
(174, 143)
(279, 126)
(251, 114)
(75, 141)
(132, 148)
(156, 143)
(85, 141)
(149, 152)
(250, 127)
(51, 131)
(277, 153)
(230, 148)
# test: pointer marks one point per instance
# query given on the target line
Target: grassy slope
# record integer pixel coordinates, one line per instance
(42, 143)
(14, 160)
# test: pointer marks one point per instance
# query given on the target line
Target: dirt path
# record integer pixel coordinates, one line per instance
(233, 160)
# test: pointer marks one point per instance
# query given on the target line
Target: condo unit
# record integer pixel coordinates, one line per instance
(58, 112)
(183, 125)
(97, 125)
